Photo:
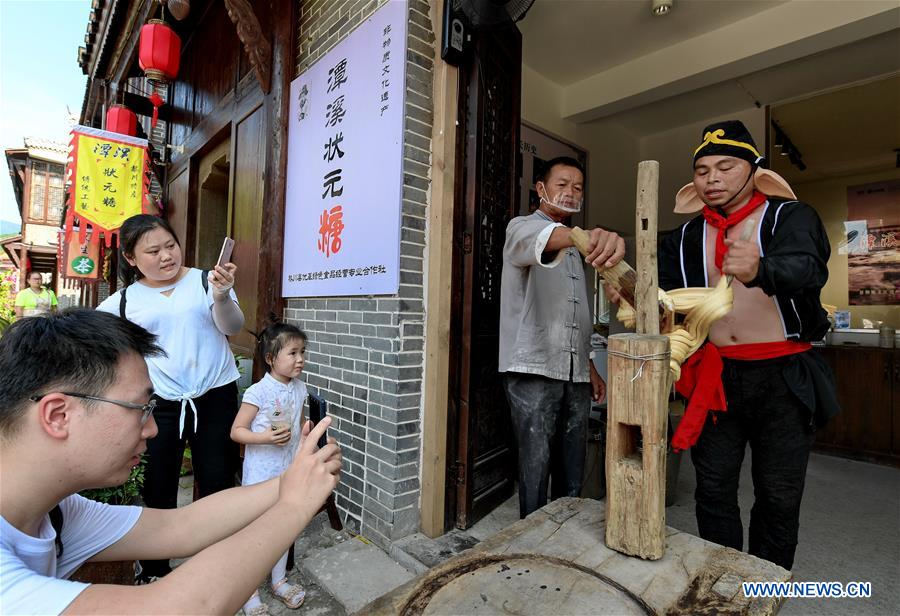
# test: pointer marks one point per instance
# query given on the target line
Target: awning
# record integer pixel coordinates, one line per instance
(43, 258)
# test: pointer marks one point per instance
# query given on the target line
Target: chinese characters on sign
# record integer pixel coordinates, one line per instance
(79, 259)
(344, 169)
(108, 173)
(331, 220)
(385, 69)
(330, 229)
(339, 273)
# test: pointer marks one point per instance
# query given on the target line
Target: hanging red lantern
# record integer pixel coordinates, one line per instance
(160, 51)
(121, 119)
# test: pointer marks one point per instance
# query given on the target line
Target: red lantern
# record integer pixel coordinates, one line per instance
(121, 119)
(160, 51)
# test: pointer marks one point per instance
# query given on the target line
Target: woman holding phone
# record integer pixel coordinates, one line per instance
(195, 384)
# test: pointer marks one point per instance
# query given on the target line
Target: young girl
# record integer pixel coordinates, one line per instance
(195, 383)
(269, 424)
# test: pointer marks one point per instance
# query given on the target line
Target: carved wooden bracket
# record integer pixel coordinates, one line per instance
(255, 44)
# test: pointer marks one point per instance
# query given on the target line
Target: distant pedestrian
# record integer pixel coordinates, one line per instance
(35, 299)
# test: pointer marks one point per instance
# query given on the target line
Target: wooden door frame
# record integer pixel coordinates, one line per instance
(277, 113)
(467, 464)
(438, 304)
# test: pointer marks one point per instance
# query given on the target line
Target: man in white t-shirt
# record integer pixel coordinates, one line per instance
(75, 414)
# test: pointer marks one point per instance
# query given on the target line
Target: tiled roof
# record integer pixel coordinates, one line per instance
(39, 143)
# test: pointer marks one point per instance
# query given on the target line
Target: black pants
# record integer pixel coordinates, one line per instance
(213, 454)
(550, 420)
(763, 411)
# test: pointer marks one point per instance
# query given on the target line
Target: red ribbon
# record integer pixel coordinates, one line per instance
(157, 101)
(723, 223)
(701, 382)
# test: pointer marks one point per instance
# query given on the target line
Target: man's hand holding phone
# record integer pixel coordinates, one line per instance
(314, 473)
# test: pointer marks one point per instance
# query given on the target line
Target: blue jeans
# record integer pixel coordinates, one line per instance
(550, 419)
(765, 412)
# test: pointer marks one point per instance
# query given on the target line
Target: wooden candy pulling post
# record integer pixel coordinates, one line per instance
(642, 368)
(636, 437)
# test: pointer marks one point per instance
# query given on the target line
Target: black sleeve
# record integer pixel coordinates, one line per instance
(796, 258)
(669, 261)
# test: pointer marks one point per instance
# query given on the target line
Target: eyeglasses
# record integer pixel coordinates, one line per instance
(146, 409)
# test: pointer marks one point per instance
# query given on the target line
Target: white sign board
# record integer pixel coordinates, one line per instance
(344, 167)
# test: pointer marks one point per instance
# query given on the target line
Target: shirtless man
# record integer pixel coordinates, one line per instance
(776, 389)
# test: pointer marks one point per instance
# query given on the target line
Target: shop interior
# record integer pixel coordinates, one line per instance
(581, 94)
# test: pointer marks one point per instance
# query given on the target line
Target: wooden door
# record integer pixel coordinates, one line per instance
(214, 173)
(483, 473)
(247, 177)
(176, 212)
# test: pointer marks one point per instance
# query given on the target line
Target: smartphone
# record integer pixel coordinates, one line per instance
(225, 253)
(318, 409)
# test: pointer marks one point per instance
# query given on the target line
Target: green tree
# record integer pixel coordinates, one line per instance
(7, 297)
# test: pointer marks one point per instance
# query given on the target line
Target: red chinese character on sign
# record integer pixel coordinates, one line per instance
(330, 226)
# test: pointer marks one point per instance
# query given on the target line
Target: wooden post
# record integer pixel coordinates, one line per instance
(438, 300)
(636, 439)
(645, 291)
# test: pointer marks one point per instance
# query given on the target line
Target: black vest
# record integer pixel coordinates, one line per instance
(794, 253)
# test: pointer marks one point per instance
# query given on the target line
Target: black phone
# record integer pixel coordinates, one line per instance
(318, 409)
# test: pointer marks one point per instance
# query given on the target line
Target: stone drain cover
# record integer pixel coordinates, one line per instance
(521, 584)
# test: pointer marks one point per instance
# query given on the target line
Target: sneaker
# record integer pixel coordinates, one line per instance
(141, 580)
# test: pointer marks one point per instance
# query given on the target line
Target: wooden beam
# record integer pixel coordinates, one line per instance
(277, 107)
(646, 294)
(256, 46)
(439, 259)
(23, 262)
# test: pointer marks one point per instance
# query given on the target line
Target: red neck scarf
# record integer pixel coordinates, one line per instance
(723, 223)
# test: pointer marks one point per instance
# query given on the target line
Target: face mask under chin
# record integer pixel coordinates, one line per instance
(564, 203)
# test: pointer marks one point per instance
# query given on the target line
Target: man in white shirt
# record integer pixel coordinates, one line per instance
(75, 414)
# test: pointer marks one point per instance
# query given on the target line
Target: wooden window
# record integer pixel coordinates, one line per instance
(47, 193)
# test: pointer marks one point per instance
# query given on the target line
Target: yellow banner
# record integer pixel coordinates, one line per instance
(108, 181)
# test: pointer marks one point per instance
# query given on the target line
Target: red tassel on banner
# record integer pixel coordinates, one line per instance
(157, 101)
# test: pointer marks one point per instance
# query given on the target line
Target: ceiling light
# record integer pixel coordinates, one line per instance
(661, 7)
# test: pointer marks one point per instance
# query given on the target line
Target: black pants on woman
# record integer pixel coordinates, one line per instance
(213, 454)
(765, 412)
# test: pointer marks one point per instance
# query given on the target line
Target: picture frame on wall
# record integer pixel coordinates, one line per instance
(874, 270)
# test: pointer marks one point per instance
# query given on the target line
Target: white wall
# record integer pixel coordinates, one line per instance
(612, 153)
(541, 105)
(41, 235)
